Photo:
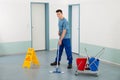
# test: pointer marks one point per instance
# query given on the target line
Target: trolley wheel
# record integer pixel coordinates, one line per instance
(76, 73)
(96, 75)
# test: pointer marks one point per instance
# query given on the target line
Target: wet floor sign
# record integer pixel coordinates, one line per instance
(31, 58)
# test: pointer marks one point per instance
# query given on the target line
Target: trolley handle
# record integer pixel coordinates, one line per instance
(98, 54)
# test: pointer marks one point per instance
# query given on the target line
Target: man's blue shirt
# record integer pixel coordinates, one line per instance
(63, 25)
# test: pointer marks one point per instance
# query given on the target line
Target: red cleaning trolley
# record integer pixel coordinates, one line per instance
(88, 64)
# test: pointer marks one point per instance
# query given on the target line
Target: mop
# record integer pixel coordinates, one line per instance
(57, 70)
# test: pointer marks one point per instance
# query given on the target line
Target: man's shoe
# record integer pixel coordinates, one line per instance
(54, 63)
(69, 66)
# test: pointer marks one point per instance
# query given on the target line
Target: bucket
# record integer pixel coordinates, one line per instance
(93, 64)
(81, 63)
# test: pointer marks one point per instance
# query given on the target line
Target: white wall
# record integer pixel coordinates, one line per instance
(100, 22)
(14, 21)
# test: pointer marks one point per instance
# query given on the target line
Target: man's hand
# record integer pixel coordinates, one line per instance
(59, 42)
(61, 37)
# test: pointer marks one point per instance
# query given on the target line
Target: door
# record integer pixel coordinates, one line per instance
(38, 26)
(75, 27)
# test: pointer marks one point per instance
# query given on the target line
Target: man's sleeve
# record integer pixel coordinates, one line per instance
(65, 25)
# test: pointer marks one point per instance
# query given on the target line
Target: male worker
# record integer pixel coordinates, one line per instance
(64, 39)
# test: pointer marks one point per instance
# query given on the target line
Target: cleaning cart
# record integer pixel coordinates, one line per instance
(89, 65)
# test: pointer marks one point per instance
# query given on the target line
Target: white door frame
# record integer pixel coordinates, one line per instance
(46, 23)
(70, 22)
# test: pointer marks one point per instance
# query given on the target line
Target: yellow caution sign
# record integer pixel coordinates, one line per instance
(31, 58)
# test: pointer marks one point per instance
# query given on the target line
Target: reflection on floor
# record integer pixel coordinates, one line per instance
(11, 69)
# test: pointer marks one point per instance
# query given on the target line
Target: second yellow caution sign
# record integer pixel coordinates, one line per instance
(31, 58)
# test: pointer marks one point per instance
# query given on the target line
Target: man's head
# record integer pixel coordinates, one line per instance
(59, 13)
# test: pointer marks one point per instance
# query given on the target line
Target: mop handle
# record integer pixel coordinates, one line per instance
(57, 55)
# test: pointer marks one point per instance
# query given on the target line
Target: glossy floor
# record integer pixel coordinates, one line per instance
(11, 69)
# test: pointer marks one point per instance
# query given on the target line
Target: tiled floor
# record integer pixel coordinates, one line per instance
(11, 69)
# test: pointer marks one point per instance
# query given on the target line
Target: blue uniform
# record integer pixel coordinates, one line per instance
(63, 24)
(66, 43)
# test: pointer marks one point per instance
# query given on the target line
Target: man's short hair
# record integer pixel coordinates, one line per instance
(59, 10)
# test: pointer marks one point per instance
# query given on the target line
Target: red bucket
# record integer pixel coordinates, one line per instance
(81, 63)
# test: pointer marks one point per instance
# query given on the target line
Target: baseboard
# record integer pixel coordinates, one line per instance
(13, 54)
(109, 62)
(53, 49)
